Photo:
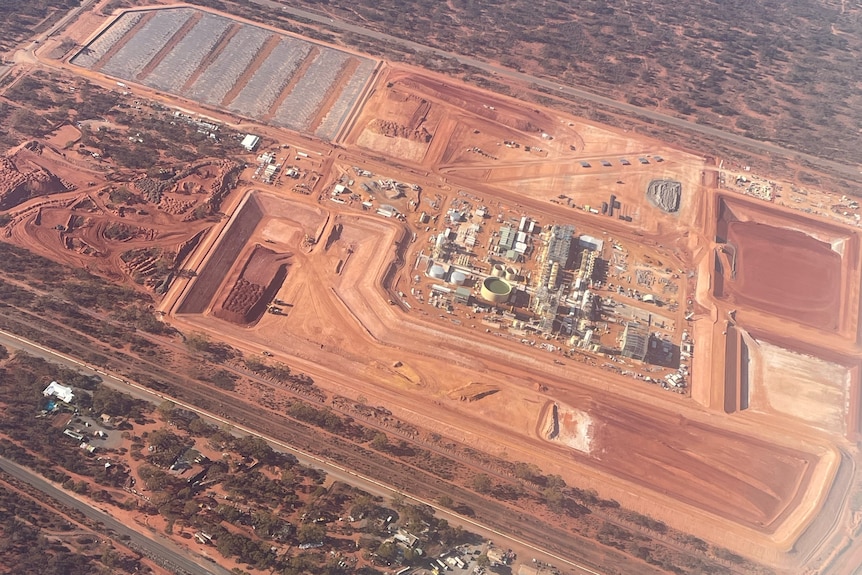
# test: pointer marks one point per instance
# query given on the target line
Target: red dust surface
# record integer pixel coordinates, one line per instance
(785, 272)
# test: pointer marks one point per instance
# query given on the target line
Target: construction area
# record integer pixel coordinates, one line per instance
(528, 302)
(538, 286)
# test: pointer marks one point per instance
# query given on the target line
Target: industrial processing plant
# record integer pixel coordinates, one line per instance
(630, 353)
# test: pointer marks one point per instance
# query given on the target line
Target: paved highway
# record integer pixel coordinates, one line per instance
(164, 552)
(555, 86)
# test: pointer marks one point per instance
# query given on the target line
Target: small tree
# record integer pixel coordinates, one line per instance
(165, 409)
(387, 550)
(198, 426)
(380, 442)
(106, 400)
(362, 506)
(311, 533)
(198, 342)
(553, 498)
(224, 380)
(482, 483)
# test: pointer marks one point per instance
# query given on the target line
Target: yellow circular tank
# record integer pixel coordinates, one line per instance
(495, 290)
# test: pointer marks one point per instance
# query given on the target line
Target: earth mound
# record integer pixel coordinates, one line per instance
(21, 179)
(260, 279)
(564, 424)
(473, 391)
(665, 194)
(394, 130)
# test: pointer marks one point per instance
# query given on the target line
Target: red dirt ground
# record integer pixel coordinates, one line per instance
(262, 275)
(680, 458)
(730, 479)
(785, 272)
(788, 267)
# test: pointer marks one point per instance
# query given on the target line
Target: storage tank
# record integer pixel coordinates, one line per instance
(498, 270)
(458, 278)
(511, 274)
(437, 272)
(495, 290)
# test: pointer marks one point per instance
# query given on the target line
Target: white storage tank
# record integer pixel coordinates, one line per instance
(458, 278)
(437, 272)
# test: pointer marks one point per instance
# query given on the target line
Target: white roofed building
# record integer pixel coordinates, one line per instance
(591, 243)
(250, 142)
(61, 392)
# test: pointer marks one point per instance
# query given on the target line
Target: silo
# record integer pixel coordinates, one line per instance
(511, 274)
(495, 290)
(458, 278)
(437, 272)
(498, 270)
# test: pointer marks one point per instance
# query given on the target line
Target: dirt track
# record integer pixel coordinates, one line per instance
(753, 480)
(354, 324)
(673, 456)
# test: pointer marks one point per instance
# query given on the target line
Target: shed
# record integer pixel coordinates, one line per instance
(250, 142)
(507, 237)
(591, 243)
(462, 295)
(387, 211)
(495, 556)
